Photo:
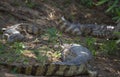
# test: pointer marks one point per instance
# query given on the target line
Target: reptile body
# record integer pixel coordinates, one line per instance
(94, 30)
(69, 66)
(77, 29)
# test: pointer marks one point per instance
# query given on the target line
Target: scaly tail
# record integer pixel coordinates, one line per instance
(49, 69)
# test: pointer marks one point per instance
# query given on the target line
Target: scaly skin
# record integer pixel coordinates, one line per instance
(77, 29)
(75, 62)
(51, 70)
(100, 31)
(18, 32)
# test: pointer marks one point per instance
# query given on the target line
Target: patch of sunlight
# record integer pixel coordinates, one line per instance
(29, 53)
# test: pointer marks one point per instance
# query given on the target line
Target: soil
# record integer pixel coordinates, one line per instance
(107, 66)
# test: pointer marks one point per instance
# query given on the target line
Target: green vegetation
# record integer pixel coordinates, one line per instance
(42, 59)
(41, 54)
(44, 53)
(88, 3)
(2, 48)
(90, 42)
(112, 6)
(17, 52)
(18, 47)
(52, 33)
(110, 47)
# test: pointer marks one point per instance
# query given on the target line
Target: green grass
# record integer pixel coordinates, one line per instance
(18, 47)
(52, 35)
(109, 47)
(90, 42)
